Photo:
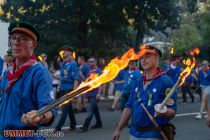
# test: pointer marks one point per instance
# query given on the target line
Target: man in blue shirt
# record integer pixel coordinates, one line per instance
(132, 77)
(118, 86)
(174, 70)
(1, 69)
(203, 79)
(26, 85)
(92, 108)
(151, 91)
(84, 71)
(69, 79)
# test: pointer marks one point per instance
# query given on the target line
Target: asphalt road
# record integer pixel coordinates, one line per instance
(187, 127)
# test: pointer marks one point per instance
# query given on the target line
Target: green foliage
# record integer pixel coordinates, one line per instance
(104, 28)
(186, 37)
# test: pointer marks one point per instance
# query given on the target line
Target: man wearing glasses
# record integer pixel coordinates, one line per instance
(26, 85)
(204, 81)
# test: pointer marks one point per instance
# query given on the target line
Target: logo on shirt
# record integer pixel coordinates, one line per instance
(167, 91)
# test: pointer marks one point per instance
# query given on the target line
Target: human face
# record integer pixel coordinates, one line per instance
(92, 62)
(149, 61)
(66, 55)
(22, 45)
(205, 64)
(132, 65)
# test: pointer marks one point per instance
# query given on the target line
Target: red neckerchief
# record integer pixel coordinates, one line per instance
(205, 70)
(67, 61)
(159, 72)
(93, 68)
(14, 73)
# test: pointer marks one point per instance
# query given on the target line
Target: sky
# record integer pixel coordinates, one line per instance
(3, 38)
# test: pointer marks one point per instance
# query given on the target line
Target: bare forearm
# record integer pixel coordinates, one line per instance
(76, 83)
(124, 118)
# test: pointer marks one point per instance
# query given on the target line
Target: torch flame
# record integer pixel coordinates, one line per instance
(172, 51)
(40, 58)
(189, 65)
(61, 53)
(111, 71)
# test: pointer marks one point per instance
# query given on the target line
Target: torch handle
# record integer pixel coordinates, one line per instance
(58, 102)
(169, 95)
(153, 121)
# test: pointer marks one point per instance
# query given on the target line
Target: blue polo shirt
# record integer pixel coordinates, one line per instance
(157, 90)
(94, 92)
(30, 92)
(120, 77)
(132, 77)
(85, 69)
(204, 78)
(69, 73)
(174, 73)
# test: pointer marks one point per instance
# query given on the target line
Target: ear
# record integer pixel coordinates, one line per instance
(34, 44)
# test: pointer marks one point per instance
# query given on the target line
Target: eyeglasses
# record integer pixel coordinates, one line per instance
(131, 63)
(204, 64)
(21, 39)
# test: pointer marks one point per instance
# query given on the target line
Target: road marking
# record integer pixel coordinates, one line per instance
(188, 114)
(63, 128)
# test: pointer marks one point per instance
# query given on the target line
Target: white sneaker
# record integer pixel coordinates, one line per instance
(199, 116)
(206, 116)
(102, 98)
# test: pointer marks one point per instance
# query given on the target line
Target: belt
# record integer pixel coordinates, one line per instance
(147, 129)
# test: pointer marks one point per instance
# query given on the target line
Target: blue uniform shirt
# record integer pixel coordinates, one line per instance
(69, 73)
(174, 73)
(85, 69)
(204, 78)
(1, 65)
(164, 67)
(30, 92)
(94, 92)
(131, 78)
(120, 77)
(157, 90)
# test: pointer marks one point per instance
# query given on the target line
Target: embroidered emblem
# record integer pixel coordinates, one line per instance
(167, 91)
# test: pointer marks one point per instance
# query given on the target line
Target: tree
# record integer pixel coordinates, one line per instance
(93, 27)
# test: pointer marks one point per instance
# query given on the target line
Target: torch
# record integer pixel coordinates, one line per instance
(153, 121)
(161, 108)
(94, 81)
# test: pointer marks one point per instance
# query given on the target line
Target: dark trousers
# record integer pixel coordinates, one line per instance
(186, 89)
(124, 99)
(66, 109)
(92, 109)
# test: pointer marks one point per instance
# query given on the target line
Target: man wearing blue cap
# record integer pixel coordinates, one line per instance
(26, 85)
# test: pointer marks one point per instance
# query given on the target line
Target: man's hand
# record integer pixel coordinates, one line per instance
(26, 118)
(116, 135)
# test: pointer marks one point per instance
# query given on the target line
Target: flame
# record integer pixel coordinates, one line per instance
(190, 64)
(61, 53)
(111, 70)
(39, 58)
(74, 55)
(172, 51)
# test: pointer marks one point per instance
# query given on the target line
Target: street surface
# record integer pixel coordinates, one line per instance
(187, 127)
